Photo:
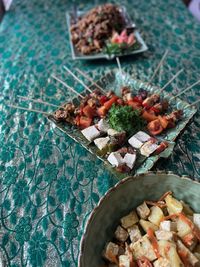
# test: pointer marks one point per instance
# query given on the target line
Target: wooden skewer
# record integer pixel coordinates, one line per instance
(29, 109)
(77, 79)
(37, 101)
(188, 88)
(66, 85)
(89, 79)
(119, 65)
(171, 80)
(158, 67)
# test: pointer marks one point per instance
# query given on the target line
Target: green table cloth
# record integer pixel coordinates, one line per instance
(48, 183)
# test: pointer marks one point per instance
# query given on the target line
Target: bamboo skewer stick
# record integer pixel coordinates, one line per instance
(29, 109)
(89, 79)
(37, 101)
(66, 85)
(77, 79)
(185, 90)
(171, 80)
(119, 65)
(158, 67)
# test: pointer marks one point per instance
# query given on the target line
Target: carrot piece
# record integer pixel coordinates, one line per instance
(108, 104)
(84, 122)
(153, 241)
(88, 111)
(102, 111)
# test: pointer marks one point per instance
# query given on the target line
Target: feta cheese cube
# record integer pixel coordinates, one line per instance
(162, 262)
(103, 126)
(168, 226)
(134, 142)
(129, 220)
(143, 211)
(115, 159)
(134, 233)
(143, 247)
(102, 142)
(111, 252)
(121, 234)
(164, 235)
(124, 261)
(129, 160)
(196, 219)
(148, 148)
(90, 133)
(112, 132)
(142, 136)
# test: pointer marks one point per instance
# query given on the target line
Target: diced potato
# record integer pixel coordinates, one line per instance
(121, 234)
(129, 220)
(143, 211)
(192, 259)
(164, 235)
(124, 261)
(173, 205)
(134, 233)
(162, 262)
(183, 228)
(143, 248)
(168, 226)
(168, 250)
(111, 252)
(186, 208)
(156, 215)
(146, 225)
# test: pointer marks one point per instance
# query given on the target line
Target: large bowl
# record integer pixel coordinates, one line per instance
(121, 199)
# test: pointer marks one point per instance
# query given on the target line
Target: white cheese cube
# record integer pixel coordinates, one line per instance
(148, 148)
(129, 160)
(124, 261)
(103, 126)
(143, 211)
(164, 235)
(90, 133)
(121, 234)
(168, 226)
(142, 136)
(162, 262)
(129, 220)
(134, 233)
(196, 219)
(102, 142)
(111, 252)
(156, 215)
(143, 248)
(115, 159)
(134, 142)
(112, 132)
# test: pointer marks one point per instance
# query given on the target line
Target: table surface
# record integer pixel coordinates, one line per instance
(48, 183)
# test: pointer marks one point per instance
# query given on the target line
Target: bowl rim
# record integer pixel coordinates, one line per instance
(115, 187)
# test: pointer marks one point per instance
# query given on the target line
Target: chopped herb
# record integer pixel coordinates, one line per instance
(114, 48)
(124, 118)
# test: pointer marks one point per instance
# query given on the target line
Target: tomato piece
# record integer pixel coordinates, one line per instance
(153, 241)
(149, 116)
(120, 102)
(138, 99)
(161, 148)
(102, 111)
(155, 127)
(154, 109)
(164, 122)
(103, 99)
(85, 122)
(89, 111)
(108, 104)
(144, 262)
(134, 104)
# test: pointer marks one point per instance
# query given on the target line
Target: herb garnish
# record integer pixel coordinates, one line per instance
(124, 118)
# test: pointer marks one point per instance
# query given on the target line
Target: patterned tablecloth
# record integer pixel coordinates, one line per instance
(48, 183)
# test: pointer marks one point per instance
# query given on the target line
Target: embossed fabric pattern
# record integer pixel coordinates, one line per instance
(48, 183)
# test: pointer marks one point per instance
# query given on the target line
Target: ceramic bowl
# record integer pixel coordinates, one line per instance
(121, 199)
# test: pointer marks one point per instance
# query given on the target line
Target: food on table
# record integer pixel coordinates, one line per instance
(162, 233)
(91, 31)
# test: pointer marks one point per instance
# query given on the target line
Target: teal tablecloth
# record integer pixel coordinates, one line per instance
(48, 183)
